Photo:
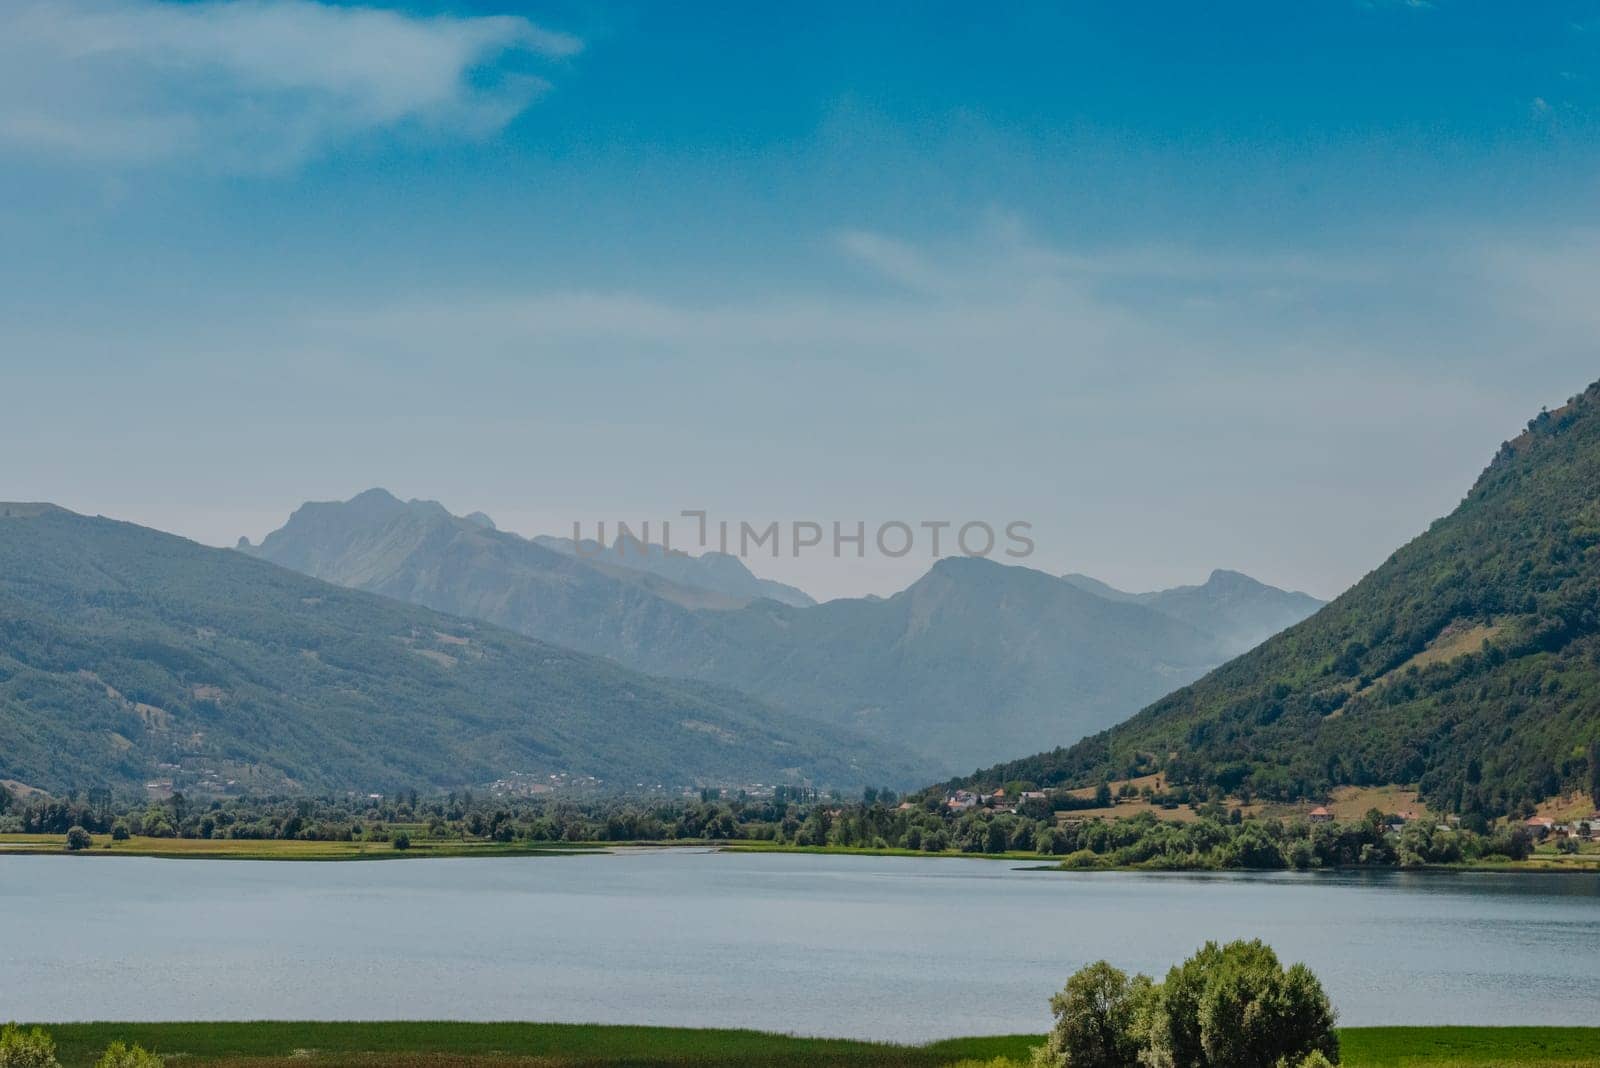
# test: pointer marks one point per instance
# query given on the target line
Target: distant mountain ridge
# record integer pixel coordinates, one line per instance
(1467, 664)
(719, 572)
(1234, 607)
(369, 541)
(974, 661)
(128, 655)
(972, 658)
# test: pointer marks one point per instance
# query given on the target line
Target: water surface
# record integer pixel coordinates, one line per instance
(894, 948)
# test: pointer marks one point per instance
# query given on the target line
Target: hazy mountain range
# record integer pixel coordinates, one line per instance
(1236, 609)
(1468, 663)
(128, 655)
(716, 572)
(972, 662)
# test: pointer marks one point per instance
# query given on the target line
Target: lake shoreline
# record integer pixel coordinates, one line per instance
(270, 849)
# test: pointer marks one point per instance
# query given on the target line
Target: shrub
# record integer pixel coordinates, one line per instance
(78, 838)
(1082, 858)
(402, 840)
(26, 1049)
(119, 832)
(120, 1055)
(1315, 1059)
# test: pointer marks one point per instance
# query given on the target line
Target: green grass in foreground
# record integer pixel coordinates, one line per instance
(1478, 1047)
(564, 1045)
(521, 1045)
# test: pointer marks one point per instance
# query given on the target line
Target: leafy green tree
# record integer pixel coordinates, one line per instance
(1513, 844)
(1100, 1020)
(156, 824)
(78, 838)
(1253, 848)
(1594, 775)
(402, 841)
(26, 1049)
(1175, 1035)
(121, 1055)
(1235, 1006)
(1257, 1015)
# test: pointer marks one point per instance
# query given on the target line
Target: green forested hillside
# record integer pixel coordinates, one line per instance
(1468, 663)
(128, 655)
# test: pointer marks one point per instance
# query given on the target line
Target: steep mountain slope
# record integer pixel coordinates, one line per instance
(127, 654)
(1469, 662)
(718, 572)
(1235, 608)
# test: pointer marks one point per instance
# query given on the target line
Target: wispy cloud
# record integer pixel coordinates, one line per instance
(253, 85)
(996, 372)
(1003, 251)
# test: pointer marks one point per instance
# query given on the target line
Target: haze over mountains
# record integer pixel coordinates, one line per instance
(718, 572)
(1239, 611)
(1468, 663)
(973, 662)
(128, 655)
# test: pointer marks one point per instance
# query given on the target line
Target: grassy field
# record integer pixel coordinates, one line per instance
(421, 846)
(518, 1045)
(282, 849)
(1471, 1047)
(330, 1045)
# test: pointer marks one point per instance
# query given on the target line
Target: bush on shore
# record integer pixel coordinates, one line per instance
(1228, 1006)
(122, 1055)
(26, 1049)
(36, 1049)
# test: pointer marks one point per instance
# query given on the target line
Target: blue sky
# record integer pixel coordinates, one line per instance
(1258, 288)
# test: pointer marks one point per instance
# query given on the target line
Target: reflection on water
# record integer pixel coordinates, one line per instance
(897, 948)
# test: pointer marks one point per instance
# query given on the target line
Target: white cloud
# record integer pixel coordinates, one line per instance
(252, 85)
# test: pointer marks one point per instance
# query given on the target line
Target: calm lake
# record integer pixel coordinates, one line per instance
(902, 949)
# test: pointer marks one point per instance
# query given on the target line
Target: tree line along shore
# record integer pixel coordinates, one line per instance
(1212, 836)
